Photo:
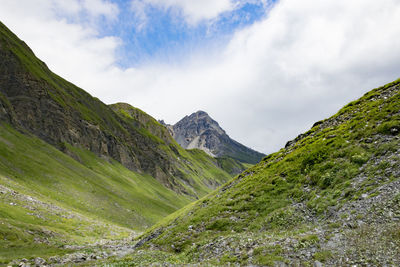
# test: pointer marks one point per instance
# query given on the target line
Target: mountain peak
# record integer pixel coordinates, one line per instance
(200, 113)
(199, 130)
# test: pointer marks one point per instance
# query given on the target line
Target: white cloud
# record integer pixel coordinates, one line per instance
(58, 34)
(277, 77)
(138, 8)
(272, 81)
(194, 11)
(101, 8)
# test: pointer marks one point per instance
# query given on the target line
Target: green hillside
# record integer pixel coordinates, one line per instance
(332, 195)
(76, 173)
(48, 195)
(198, 171)
(232, 166)
(49, 199)
(80, 181)
(35, 100)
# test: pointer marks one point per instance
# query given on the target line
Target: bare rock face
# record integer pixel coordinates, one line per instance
(200, 131)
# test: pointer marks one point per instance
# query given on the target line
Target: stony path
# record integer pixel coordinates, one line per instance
(85, 254)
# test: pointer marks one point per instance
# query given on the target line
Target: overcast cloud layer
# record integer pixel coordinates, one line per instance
(268, 83)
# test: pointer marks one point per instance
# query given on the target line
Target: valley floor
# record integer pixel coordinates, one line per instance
(363, 232)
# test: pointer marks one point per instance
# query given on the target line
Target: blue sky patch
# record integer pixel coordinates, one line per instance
(166, 37)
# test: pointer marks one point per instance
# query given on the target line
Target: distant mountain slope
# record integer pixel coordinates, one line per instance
(200, 131)
(142, 120)
(332, 195)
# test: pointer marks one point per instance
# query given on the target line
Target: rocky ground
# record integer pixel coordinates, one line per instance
(87, 255)
(364, 231)
(361, 231)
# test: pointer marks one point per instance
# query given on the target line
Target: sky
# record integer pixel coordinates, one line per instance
(265, 70)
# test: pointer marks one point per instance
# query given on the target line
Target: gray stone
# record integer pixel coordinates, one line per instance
(39, 261)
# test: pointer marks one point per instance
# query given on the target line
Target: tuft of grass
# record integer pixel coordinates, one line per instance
(308, 240)
(268, 255)
(389, 128)
(323, 255)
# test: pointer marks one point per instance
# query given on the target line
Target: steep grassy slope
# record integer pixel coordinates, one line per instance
(74, 171)
(197, 171)
(35, 100)
(144, 122)
(232, 166)
(49, 198)
(331, 195)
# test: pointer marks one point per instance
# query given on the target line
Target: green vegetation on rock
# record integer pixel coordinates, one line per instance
(294, 196)
(76, 174)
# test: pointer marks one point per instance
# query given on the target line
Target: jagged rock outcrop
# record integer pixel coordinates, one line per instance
(200, 131)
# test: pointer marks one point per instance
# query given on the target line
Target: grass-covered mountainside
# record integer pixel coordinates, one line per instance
(48, 199)
(74, 171)
(330, 196)
(232, 166)
(35, 100)
(141, 120)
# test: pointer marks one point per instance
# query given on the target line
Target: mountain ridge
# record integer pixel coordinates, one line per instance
(199, 130)
(37, 101)
(331, 196)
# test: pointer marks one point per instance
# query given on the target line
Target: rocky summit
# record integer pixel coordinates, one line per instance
(200, 131)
